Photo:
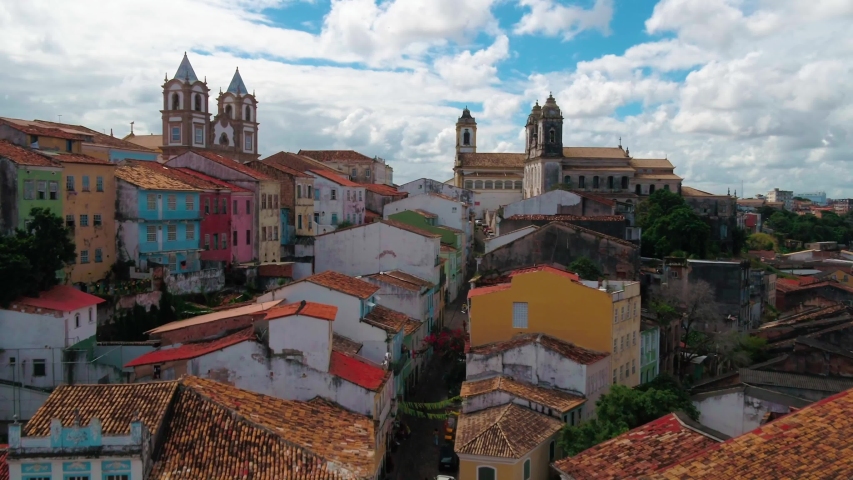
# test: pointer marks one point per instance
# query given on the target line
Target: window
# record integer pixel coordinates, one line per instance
(248, 237)
(29, 190)
(334, 194)
(199, 135)
(206, 206)
(190, 233)
(34, 139)
(207, 241)
(552, 137)
(359, 195)
(173, 263)
(334, 219)
(518, 184)
(215, 241)
(552, 449)
(69, 183)
(499, 185)
(224, 241)
(248, 143)
(621, 371)
(275, 233)
(223, 139)
(229, 112)
(615, 346)
(171, 233)
(263, 201)
(215, 206)
(469, 184)
(197, 102)
(151, 201)
(651, 189)
(77, 320)
(316, 193)
(666, 187)
(527, 462)
(176, 134)
(519, 315)
(39, 368)
(234, 240)
(224, 206)
(581, 181)
(190, 203)
(595, 181)
(54, 187)
(42, 190)
(99, 258)
(69, 145)
(176, 101)
(275, 197)
(486, 473)
(151, 233)
(248, 113)
(298, 191)
(117, 476)
(366, 173)
(263, 234)
(354, 172)
(614, 375)
(615, 315)
(316, 218)
(348, 195)
(635, 338)
(97, 220)
(171, 202)
(85, 183)
(235, 206)
(489, 185)
(621, 343)
(299, 222)
(84, 220)
(633, 366)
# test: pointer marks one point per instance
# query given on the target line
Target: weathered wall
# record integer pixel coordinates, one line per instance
(426, 185)
(91, 238)
(210, 280)
(734, 413)
(504, 238)
(20, 402)
(546, 204)
(612, 226)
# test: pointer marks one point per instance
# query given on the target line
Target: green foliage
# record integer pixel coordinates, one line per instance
(809, 228)
(760, 241)
(586, 269)
(754, 347)
(30, 258)
(665, 312)
(623, 409)
(344, 224)
(669, 225)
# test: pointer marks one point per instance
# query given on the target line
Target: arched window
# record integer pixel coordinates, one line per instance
(552, 136)
(489, 185)
(499, 185)
(176, 101)
(298, 191)
(518, 184)
(478, 184)
(77, 320)
(567, 180)
(248, 113)
(666, 187)
(624, 183)
(638, 189)
(486, 473)
(228, 112)
(651, 189)
(581, 181)
(223, 139)
(595, 181)
(466, 138)
(197, 102)
(469, 184)
(508, 184)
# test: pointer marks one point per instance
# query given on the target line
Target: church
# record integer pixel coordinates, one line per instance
(188, 123)
(503, 178)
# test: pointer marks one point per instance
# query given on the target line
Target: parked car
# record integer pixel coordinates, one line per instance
(478, 222)
(447, 459)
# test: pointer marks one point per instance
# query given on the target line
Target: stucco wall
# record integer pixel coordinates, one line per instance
(20, 402)
(90, 203)
(546, 204)
(310, 336)
(505, 238)
(734, 413)
(210, 280)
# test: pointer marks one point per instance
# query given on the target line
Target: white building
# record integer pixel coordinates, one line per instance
(735, 410)
(543, 360)
(451, 213)
(336, 200)
(509, 237)
(784, 196)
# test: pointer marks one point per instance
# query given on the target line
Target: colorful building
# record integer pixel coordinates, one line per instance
(336, 200)
(102, 146)
(544, 299)
(158, 219)
(27, 180)
(649, 348)
(297, 196)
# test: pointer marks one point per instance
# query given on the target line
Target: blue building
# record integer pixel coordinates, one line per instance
(158, 218)
(816, 197)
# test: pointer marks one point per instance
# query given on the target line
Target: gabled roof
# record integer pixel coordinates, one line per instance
(476, 292)
(60, 298)
(794, 380)
(148, 177)
(342, 181)
(345, 156)
(358, 371)
(813, 442)
(150, 141)
(281, 167)
(551, 398)
(567, 218)
(24, 156)
(566, 349)
(693, 192)
(189, 351)
(509, 160)
(386, 190)
(77, 158)
(212, 181)
(115, 405)
(345, 345)
(297, 162)
(545, 268)
(237, 86)
(409, 228)
(594, 152)
(308, 309)
(95, 137)
(643, 450)
(32, 128)
(412, 326)
(184, 175)
(254, 309)
(185, 71)
(344, 284)
(507, 431)
(389, 320)
(232, 164)
(402, 280)
(651, 163)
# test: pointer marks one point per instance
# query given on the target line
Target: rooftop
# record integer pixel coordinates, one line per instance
(346, 156)
(476, 292)
(344, 284)
(551, 398)
(566, 349)
(402, 280)
(251, 309)
(813, 442)
(189, 351)
(424, 213)
(412, 326)
(334, 177)
(115, 405)
(281, 167)
(33, 128)
(297, 162)
(60, 298)
(389, 320)
(409, 228)
(345, 345)
(151, 178)
(594, 152)
(358, 371)
(214, 183)
(568, 218)
(386, 190)
(232, 164)
(507, 431)
(641, 451)
(24, 156)
(95, 137)
(545, 268)
(306, 309)
(150, 141)
(511, 160)
(768, 378)
(76, 158)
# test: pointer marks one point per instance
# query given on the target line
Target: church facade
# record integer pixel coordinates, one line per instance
(188, 124)
(503, 178)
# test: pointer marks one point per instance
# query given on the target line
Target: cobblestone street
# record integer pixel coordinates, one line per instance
(417, 457)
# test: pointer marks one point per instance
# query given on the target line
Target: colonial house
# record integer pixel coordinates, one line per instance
(29, 180)
(447, 212)
(100, 145)
(336, 200)
(359, 168)
(424, 186)
(297, 196)
(376, 197)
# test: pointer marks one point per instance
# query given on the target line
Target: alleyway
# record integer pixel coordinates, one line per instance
(417, 457)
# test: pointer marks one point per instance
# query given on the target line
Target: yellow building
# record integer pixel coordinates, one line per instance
(543, 299)
(88, 208)
(842, 277)
(506, 442)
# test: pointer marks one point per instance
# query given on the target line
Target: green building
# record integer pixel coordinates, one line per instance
(649, 351)
(27, 180)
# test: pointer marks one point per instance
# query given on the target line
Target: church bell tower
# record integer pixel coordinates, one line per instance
(185, 116)
(466, 142)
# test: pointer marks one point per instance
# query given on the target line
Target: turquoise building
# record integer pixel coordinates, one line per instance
(649, 351)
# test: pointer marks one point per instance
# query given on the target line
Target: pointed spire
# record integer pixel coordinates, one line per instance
(237, 86)
(185, 70)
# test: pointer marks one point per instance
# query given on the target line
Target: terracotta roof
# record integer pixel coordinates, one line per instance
(115, 405)
(813, 442)
(184, 175)
(657, 176)
(344, 284)
(233, 165)
(24, 156)
(32, 128)
(769, 378)
(297, 162)
(218, 431)
(306, 309)
(568, 218)
(254, 309)
(60, 298)
(280, 270)
(424, 213)
(357, 371)
(447, 249)
(545, 268)
(692, 192)
(476, 292)
(343, 181)
(513, 160)
(650, 163)
(386, 190)
(370, 216)
(78, 158)
(389, 320)
(97, 138)
(412, 326)
(402, 280)
(507, 431)
(213, 182)
(272, 163)
(150, 141)
(345, 345)
(594, 152)
(146, 177)
(409, 228)
(566, 349)
(643, 450)
(188, 351)
(551, 398)
(592, 196)
(346, 156)
(4, 467)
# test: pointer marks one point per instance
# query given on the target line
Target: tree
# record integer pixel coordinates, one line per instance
(760, 241)
(586, 269)
(29, 259)
(670, 224)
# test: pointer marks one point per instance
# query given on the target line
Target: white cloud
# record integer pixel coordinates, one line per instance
(467, 70)
(550, 18)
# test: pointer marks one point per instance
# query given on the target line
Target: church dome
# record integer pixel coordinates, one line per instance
(551, 109)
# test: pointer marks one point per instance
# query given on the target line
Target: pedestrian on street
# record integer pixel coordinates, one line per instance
(435, 434)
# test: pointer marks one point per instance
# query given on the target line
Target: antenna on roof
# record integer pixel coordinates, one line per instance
(620, 142)
(60, 118)
(131, 128)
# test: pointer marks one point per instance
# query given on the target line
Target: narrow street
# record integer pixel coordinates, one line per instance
(417, 457)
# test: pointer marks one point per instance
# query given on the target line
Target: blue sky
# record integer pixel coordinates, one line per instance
(731, 91)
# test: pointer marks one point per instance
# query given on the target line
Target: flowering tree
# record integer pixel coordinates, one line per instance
(450, 344)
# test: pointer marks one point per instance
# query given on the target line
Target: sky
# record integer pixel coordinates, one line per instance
(742, 95)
